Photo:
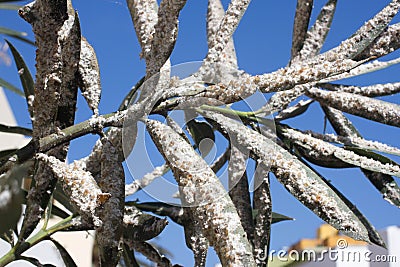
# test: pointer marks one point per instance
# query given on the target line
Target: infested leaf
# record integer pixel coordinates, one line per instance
(294, 111)
(140, 226)
(89, 75)
(369, 108)
(300, 27)
(383, 183)
(162, 209)
(194, 175)
(80, 187)
(323, 151)
(317, 34)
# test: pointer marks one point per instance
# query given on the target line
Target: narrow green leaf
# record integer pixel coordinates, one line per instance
(141, 226)
(7, 153)
(35, 261)
(16, 34)
(9, 6)
(68, 260)
(11, 87)
(162, 209)
(24, 74)
(56, 211)
(277, 217)
(15, 130)
(131, 96)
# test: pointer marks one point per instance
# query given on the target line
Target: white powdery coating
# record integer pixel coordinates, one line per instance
(368, 32)
(165, 34)
(363, 69)
(297, 178)
(371, 90)
(313, 70)
(362, 106)
(339, 122)
(367, 163)
(90, 75)
(80, 187)
(358, 142)
(318, 146)
(132, 188)
(280, 100)
(293, 110)
(226, 29)
(300, 26)
(144, 16)
(317, 34)
(387, 42)
(199, 185)
(215, 15)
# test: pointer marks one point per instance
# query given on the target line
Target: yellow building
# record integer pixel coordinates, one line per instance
(327, 237)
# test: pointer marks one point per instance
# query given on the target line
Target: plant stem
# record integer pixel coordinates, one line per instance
(43, 234)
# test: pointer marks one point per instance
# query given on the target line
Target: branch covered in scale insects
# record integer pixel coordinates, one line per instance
(227, 27)
(317, 34)
(384, 183)
(215, 15)
(199, 188)
(58, 40)
(89, 76)
(300, 27)
(79, 186)
(262, 204)
(298, 179)
(370, 90)
(144, 17)
(165, 34)
(112, 181)
(323, 149)
(387, 42)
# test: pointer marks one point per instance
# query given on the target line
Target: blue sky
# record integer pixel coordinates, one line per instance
(263, 41)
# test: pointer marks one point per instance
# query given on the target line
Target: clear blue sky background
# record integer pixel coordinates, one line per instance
(263, 41)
